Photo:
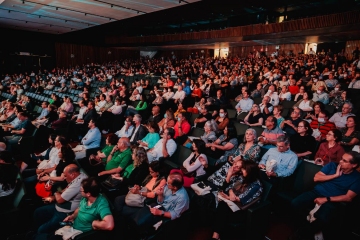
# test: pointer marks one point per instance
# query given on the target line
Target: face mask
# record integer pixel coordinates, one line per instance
(269, 91)
(321, 120)
(315, 80)
(165, 115)
(336, 89)
(157, 95)
(179, 119)
(318, 91)
(222, 115)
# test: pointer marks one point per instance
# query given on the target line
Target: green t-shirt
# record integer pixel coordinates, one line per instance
(87, 214)
(120, 159)
(107, 150)
(128, 170)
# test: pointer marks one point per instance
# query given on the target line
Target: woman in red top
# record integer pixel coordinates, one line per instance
(196, 93)
(293, 88)
(331, 150)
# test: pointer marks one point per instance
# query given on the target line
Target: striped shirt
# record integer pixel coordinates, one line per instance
(323, 128)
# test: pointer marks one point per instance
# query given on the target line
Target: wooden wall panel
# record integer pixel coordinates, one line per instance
(84, 54)
(350, 47)
(294, 25)
(284, 49)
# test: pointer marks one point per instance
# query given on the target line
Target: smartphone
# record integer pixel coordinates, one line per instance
(66, 223)
(201, 185)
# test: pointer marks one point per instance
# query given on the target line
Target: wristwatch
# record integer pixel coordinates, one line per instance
(328, 199)
(162, 213)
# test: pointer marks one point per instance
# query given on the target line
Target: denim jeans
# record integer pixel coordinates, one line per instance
(47, 218)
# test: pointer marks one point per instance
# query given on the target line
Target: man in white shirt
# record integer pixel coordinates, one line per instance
(274, 97)
(101, 103)
(339, 118)
(165, 147)
(355, 82)
(139, 87)
(83, 107)
(179, 95)
(127, 129)
(245, 104)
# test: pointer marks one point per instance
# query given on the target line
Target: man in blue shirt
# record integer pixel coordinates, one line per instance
(336, 183)
(93, 136)
(25, 128)
(172, 200)
(285, 160)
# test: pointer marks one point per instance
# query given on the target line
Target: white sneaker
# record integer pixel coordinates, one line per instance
(319, 236)
(104, 131)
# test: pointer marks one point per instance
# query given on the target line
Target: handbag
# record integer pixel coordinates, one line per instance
(200, 188)
(187, 173)
(135, 200)
(112, 182)
(43, 189)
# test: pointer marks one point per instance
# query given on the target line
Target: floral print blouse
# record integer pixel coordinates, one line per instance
(253, 153)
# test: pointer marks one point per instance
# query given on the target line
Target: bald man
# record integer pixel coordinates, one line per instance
(63, 202)
(155, 115)
(119, 158)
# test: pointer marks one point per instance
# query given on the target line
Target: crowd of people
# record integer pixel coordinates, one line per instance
(143, 122)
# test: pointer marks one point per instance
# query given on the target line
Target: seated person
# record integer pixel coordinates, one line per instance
(236, 193)
(47, 218)
(290, 125)
(155, 115)
(118, 159)
(142, 105)
(182, 128)
(303, 143)
(165, 147)
(266, 107)
(192, 166)
(134, 173)
(90, 141)
(322, 124)
(168, 121)
(222, 120)
(61, 122)
(340, 118)
(350, 136)
(154, 181)
(278, 162)
(284, 95)
(139, 131)
(305, 104)
(330, 150)
(224, 146)
(336, 183)
(248, 150)
(152, 137)
(127, 129)
(321, 96)
(25, 128)
(203, 117)
(67, 105)
(170, 207)
(340, 100)
(268, 138)
(277, 114)
(100, 218)
(254, 117)
(245, 104)
(43, 114)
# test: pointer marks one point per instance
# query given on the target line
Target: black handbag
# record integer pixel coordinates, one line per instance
(112, 183)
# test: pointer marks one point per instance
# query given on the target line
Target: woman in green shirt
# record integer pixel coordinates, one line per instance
(142, 105)
(111, 141)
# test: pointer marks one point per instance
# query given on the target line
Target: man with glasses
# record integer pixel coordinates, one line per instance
(336, 183)
(340, 118)
(282, 160)
(290, 125)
